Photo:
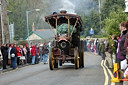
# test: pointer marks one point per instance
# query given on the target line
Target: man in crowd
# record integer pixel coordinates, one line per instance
(4, 51)
(45, 53)
(14, 56)
(108, 53)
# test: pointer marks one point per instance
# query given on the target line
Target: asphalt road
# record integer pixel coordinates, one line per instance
(91, 74)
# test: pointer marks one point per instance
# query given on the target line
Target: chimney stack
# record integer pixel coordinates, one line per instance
(63, 11)
(33, 27)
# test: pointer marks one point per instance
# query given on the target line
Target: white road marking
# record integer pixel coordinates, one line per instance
(105, 72)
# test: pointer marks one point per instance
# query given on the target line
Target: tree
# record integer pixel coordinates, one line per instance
(111, 23)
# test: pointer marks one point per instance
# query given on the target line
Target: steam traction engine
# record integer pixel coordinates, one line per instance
(67, 45)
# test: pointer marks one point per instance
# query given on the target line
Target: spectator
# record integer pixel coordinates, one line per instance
(87, 45)
(25, 54)
(5, 55)
(9, 55)
(33, 52)
(19, 54)
(115, 45)
(45, 53)
(121, 53)
(92, 46)
(108, 53)
(28, 53)
(7, 49)
(1, 58)
(41, 52)
(14, 56)
(97, 46)
(37, 55)
(102, 50)
(22, 58)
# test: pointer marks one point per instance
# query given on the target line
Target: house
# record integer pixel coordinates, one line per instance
(41, 35)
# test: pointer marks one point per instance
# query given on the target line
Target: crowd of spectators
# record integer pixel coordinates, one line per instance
(14, 55)
(113, 50)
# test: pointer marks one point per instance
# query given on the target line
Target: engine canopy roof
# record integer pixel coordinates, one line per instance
(63, 18)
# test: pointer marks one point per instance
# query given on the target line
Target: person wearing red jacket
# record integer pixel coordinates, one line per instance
(33, 52)
(19, 54)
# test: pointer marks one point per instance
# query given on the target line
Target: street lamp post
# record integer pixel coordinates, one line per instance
(27, 13)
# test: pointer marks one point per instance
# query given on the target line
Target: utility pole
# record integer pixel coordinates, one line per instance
(2, 30)
(100, 12)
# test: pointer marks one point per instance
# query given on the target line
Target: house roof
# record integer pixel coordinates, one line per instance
(43, 34)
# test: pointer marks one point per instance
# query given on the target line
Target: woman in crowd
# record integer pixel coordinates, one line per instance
(22, 58)
(25, 54)
(121, 53)
(33, 52)
(19, 54)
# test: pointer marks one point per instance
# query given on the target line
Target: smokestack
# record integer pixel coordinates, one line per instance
(33, 27)
(63, 11)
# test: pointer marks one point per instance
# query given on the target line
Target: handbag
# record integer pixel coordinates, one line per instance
(22, 58)
(9, 61)
(124, 64)
(12, 55)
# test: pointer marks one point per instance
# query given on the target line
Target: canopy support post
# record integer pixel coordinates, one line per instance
(68, 27)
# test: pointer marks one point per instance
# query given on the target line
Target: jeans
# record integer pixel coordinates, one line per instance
(37, 59)
(103, 56)
(33, 59)
(45, 58)
(14, 62)
(41, 57)
(87, 49)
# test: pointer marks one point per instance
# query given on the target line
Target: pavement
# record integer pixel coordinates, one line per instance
(95, 72)
(10, 68)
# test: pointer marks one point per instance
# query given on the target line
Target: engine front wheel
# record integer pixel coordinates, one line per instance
(51, 59)
(76, 59)
(81, 53)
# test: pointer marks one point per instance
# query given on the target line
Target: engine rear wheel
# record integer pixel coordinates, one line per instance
(51, 59)
(76, 55)
(81, 53)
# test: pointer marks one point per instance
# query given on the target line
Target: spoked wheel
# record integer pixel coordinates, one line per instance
(81, 51)
(51, 59)
(76, 55)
